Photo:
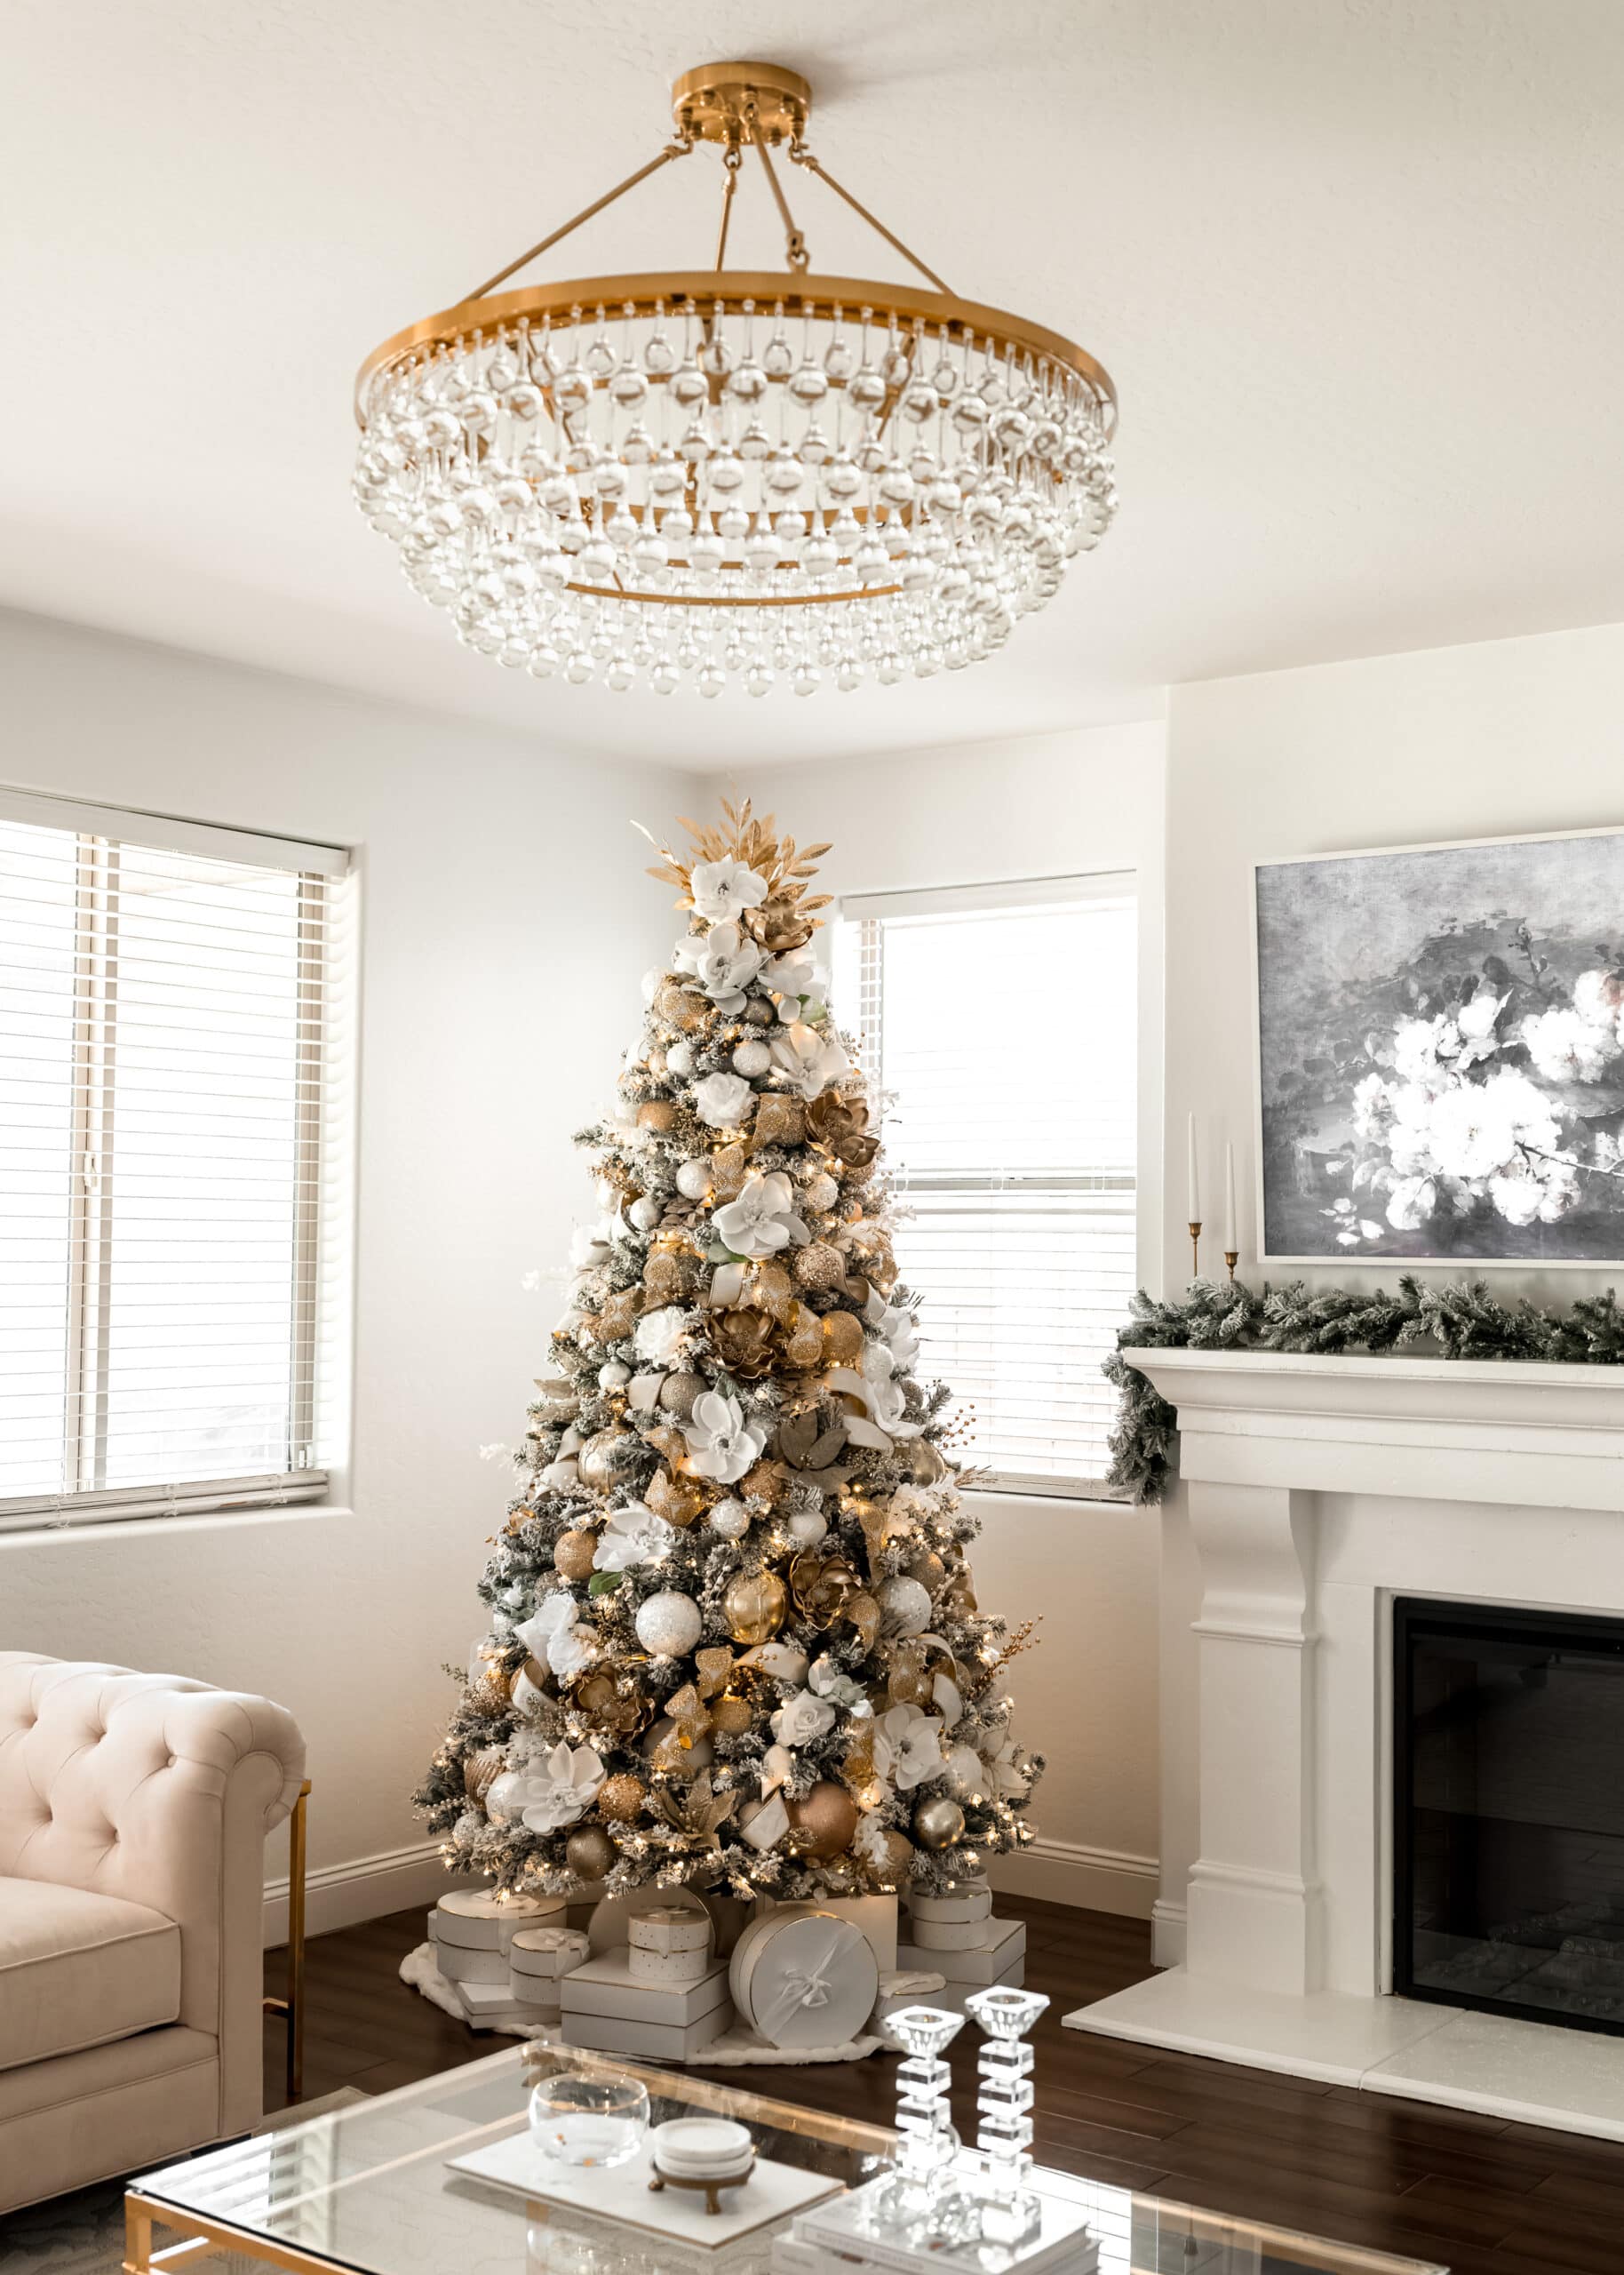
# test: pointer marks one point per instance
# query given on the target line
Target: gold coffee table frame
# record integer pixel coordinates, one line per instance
(293, 2007)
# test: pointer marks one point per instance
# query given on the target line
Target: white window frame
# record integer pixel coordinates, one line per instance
(325, 875)
(870, 909)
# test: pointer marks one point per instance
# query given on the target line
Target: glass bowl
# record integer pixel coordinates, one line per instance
(596, 2121)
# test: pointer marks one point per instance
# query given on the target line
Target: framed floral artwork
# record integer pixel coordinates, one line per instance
(1441, 1053)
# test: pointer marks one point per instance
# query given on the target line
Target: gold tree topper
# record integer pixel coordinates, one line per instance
(786, 918)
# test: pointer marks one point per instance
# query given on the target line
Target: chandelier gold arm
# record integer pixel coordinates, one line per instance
(678, 150)
(679, 291)
(732, 159)
(795, 243)
(800, 156)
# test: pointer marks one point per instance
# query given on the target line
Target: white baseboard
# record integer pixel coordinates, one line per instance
(365, 1887)
(1066, 1872)
(1169, 1927)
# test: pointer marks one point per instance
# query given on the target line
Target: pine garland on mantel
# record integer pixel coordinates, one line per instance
(1459, 1321)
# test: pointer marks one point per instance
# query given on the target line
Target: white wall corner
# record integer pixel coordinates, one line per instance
(365, 1887)
(1169, 1928)
(1093, 1880)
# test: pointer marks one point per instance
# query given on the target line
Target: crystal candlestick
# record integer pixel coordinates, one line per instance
(1011, 2215)
(927, 2142)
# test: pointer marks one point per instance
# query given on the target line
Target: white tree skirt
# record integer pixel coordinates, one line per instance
(734, 2049)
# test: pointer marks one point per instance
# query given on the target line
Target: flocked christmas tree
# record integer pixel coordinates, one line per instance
(732, 1637)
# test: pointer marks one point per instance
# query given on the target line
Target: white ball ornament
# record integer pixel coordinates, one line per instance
(904, 1606)
(730, 1519)
(680, 1058)
(645, 1213)
(694, 1179)
(751, 1059)
(823, 1192)
(669, 1625)
(612, 1374)
(807, 1527)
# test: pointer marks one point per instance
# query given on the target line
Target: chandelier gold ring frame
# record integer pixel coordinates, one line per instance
(762, 107)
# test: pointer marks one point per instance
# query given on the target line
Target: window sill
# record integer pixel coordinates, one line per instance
(50, 1515)
(1050, 1489)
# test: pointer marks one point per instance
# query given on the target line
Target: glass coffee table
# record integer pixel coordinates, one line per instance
(366, 2190)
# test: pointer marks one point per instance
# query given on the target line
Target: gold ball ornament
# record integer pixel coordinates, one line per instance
(925, 1465)
(937, 1823)
(818, 1265)
(823, 1823)
(590, 1853)
(481, 1770)
(732, 1717)
(929, 1570)
(621, 1797)
(678, 1394)
(600, 1458)
(573, 1553)
(754, 1604)
(891, 1856)
(656, 1114)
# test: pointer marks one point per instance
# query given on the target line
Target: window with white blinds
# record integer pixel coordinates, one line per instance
(1001, 1021)
(164, 1047)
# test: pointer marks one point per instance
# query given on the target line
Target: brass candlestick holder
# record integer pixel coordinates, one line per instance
(1195, 1249)
(1231, 1257)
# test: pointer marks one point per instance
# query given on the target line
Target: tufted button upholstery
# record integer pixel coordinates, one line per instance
(152, 1790)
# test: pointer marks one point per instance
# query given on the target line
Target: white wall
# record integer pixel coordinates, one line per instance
(506, 922)
(1041, 806)
(1484, 741)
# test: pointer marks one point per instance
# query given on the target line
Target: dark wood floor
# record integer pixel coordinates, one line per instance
(1485, 2197)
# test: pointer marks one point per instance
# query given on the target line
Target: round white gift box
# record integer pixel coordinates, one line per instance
(548, 1951)
(611, 1922)
(952, 1935)
(802, 1978)
(480, 1921)
(671, 1928)
(667, 1966)
(970, 1901)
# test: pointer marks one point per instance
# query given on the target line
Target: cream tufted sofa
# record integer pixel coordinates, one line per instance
(133, 1813)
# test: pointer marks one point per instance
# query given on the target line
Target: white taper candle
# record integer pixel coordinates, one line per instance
(1195, 1178)
(1230, 1244)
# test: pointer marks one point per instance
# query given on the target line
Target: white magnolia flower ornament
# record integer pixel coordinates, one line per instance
(659, 1336)
(907, 1746)
(555, 1638)
(562, 1789)
(634, 1536)
(811, 1060)
(721, 1443)
(870, 1841)
(721, 1099)
(762, 1219)
(722, 890)
(803, 1718)
(721, 962)
(826, 1680)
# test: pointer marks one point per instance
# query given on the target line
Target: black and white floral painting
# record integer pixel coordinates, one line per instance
(1442, 1049)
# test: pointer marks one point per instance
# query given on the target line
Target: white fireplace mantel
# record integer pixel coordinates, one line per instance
(1316, 1489)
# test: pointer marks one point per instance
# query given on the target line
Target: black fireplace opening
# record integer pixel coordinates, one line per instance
(1509, 1811)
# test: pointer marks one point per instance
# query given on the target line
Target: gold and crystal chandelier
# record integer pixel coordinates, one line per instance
(714, 475)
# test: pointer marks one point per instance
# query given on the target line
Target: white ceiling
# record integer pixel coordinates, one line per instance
(1354, 265)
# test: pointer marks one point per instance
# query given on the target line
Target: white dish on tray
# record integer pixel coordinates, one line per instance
(772, 2192)
(702, 2148)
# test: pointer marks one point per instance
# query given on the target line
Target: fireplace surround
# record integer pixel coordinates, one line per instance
(1316, 1492)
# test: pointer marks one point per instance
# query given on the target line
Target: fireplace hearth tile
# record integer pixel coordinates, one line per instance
(1327, 2035)
(1537, 2073)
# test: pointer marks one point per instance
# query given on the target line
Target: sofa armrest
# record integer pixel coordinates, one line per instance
(161, 1791)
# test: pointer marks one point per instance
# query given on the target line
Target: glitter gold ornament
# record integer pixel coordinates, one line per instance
(821, 1825)
(590, 1853)
(842, 1339)
(937, 1823)
(665, 1278)
(819, 1266)
(573, 1553)
(656, 1114)
(754, 1605)
(907, 1682)
(679, 1009)
(765, 1483)
(780, 1120)
(731, 1716)
(678, 1394)
(804, 1344)
(673, 1498)
(729, 1166)
(621, 1796)
(889, 1855)
(929, 1570)
(619, 1314)
(772, 1291)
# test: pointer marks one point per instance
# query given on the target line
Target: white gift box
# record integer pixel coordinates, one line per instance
(545, 1953)
(949, 1935)
(492, 2006)
(479, 1921)
(538, 1998)
(969, 1900)
(459, 1966)
(668, 1966)
(1004, 1943)
(670, 1928)
(606, 1986)
(875, 1916)
(801, 1977)
(610, 1926)
(646, 2040)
